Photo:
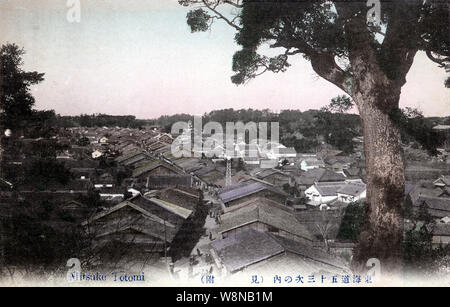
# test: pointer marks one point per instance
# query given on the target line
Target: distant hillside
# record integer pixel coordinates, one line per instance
(102, 120)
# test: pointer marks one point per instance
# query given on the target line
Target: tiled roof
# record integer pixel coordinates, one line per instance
(178, 210)
(269, 214)
(436, 203)
(441, 229)
(150, 166)
(206, 170)
(328, 188)
(353, 189)
(313, 162)
(250, 247)
(328, 176)
(128, 155)
(135, 159)
(246, 248)
(308, 252)
(242, 190)
(154, 217)
(268, 172)
(318, 175)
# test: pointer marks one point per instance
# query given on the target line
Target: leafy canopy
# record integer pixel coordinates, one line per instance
(16, 99)
(329, 34)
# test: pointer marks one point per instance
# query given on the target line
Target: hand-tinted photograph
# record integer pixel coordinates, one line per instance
(205, 144)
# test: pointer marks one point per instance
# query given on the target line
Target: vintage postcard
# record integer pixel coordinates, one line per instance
(258, 144)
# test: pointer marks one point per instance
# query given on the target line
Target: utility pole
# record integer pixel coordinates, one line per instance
(228, 173)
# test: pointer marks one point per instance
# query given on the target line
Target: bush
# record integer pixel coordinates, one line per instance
(352, 222)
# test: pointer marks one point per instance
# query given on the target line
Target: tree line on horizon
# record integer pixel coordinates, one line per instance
(299, 129)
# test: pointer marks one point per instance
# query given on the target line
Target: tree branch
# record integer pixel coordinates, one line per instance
(441, 61)
(237, 4)
(219, 15)
(325, 66)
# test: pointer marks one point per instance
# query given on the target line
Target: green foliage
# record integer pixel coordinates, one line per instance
(33, 244)
(83, 141)
(121, 175)
(43, 148)
(301, 145)
(198, 20)
(352, 222)
(417, 246)
(419, 254)
(166, 121)
(414, 127)
(310, 23)
(41, 124)
(340, 104)
(40, 172)
(338, 129)
(16, 100)
(101, 120)
(92, 199)
(291, 190)
(246, 62)
(297, 129)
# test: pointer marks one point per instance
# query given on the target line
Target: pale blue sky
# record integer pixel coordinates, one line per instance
(138, 57)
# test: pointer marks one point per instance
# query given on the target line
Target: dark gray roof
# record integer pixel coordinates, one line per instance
(151, 165)
(352, 189)
(441, 229)
(154, 217)
(329, 188)
(352, 171)
(436, 203)
(206, 170)
(421, 190)
(251, 246)
(136, 159)
(269, 172)
(268, 213)
(240, 190)
(328, 176)
(307, 251)
(128, 155)
(314, 162)
(159, 181)
(318, 175)
(246, 248)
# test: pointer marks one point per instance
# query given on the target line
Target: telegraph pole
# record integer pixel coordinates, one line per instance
(228, 173)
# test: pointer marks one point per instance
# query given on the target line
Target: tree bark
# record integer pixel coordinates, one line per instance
(382, 234)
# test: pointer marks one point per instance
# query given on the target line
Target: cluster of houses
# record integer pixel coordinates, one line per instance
(264, 208)
(434, 196)
(264, 199)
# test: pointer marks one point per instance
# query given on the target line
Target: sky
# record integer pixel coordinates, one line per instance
(138, 57)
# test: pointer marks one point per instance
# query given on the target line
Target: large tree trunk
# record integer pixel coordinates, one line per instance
(382, 234)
